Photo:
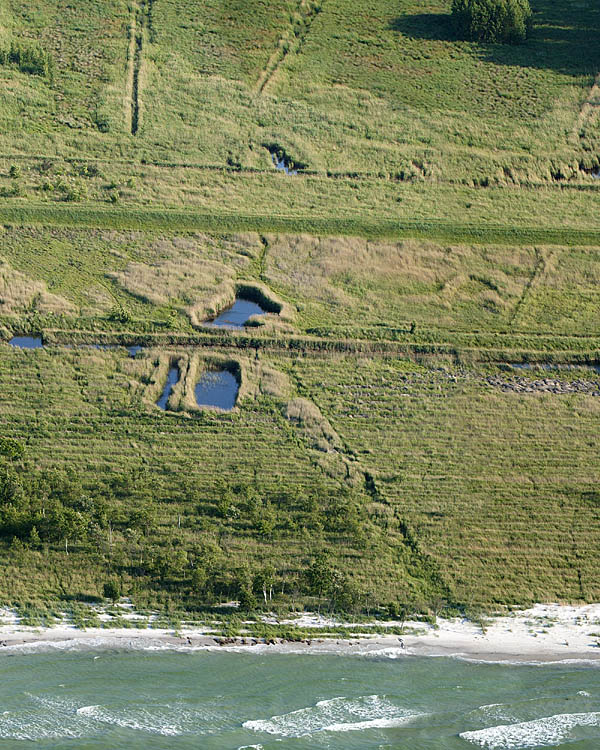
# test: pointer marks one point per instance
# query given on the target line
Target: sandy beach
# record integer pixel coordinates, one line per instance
(544, 633)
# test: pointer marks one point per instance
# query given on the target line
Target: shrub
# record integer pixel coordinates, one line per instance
(29, 58)
(112, 590)
(492, 20)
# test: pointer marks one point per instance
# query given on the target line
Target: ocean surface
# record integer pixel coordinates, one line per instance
(144, 698)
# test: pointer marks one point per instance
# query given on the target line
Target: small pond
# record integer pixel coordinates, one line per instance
(282, 164)
(35, 342)
(26, 342)
(172, 379)
(237, 315)
(217, 388)
(133, 350)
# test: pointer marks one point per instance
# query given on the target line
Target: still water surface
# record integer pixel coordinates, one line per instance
(172, 379)
(217, 388)
(236, 315)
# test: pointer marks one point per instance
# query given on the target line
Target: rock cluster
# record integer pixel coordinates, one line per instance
(544, 385)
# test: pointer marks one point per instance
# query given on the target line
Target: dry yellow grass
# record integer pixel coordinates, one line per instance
(18, 294)
(195, 274)
(306, 415)
(366, 281)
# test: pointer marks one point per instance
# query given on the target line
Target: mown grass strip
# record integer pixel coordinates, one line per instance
(181, 221)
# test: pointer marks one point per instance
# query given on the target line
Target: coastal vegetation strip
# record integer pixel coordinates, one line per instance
(176, 508)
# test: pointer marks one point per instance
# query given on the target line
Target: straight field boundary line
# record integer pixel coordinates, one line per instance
(375, 177)
(500, 351)
(173, 220)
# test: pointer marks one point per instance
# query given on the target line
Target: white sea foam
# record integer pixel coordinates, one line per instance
(166, 720)
(390, 652)
(53, 718)
(44, 718)
(537, 733)
(87, 710)
(335, 715)
(494, 712)
(358, 726)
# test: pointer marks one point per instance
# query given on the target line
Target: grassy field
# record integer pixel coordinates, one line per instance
(383, 453)
(336, 287)
(377, 94)
(499, 487)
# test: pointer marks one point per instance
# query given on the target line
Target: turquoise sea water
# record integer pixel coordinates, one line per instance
(107, 699)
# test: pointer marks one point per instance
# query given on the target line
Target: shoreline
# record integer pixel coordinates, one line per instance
(543, 634)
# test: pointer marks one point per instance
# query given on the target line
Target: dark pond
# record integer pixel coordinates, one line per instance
(133, 350)
(236, 315)
(34, 342)
(172, 378)
(26, 342)
(217, 388)
(283, 164)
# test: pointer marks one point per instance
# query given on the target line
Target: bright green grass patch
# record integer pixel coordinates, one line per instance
(378, 86)
(569, 215)
(500, 487)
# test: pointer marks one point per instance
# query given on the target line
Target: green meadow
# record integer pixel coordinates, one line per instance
(383, 455)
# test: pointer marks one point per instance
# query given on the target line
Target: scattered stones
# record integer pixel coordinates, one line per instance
(544, 385)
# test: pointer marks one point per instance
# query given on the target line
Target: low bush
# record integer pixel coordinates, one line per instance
(492, 20)
(29, 58)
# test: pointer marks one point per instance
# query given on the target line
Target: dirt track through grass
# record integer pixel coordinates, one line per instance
(131, 53)
(289, 43)
(142, 12)
(538, 269)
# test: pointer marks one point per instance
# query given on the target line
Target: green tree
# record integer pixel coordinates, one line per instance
(34, 538)
(264, 582)
(112, 590)
(319, 574)
(343, 593)
(64, 523)
(11, 448)
(242, 583)
(247, 600)
(492, 20)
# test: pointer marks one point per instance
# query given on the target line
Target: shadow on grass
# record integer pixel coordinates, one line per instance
(564, 37)
(82, 597)
(432, 26)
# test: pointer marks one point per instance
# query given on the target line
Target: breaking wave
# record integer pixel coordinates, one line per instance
(335, 715)
(544, 732)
